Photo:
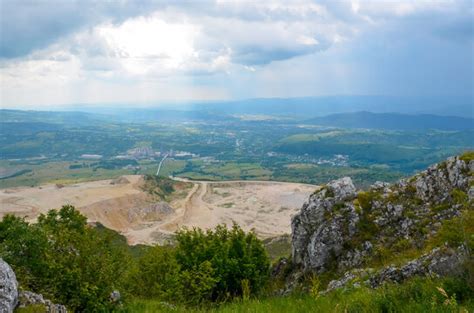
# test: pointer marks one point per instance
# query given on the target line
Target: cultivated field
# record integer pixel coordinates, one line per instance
(122, 205)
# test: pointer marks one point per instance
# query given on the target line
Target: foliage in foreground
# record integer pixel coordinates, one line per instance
(417, 295)
(204, 266)
(63, 258)
(78, 265)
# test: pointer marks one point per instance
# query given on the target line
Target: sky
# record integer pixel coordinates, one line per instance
(104, 52)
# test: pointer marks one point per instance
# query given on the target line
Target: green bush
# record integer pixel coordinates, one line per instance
(233, 256)
(457, 231)
(365, 199)
(459, 196)
(158, 186)
(204, 267)
(155, 275)
(467, 156)
(24, 247)
(63, 258)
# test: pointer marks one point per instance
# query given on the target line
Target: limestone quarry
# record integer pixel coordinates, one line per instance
(122, 204)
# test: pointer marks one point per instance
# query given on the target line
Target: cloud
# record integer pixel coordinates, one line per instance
(271, 29)
(26, 26)
(235, 48)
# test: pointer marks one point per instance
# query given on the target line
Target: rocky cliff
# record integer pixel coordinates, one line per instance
(341, 229)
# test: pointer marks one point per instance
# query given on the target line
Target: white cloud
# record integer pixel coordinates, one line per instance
(150, 38)
(191, 47)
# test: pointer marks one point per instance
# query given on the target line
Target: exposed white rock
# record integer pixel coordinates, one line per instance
(8, 288)
(323, 232)
(315, 239)
(28, 298)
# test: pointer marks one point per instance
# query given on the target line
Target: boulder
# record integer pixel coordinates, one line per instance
(342, 189)
(28, 298)
(8, 288)
(115, 296)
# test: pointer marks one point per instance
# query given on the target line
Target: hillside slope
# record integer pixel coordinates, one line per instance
(394, 121)
(420, 226)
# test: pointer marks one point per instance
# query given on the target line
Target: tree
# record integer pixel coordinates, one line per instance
(233, 255)
(64, 258)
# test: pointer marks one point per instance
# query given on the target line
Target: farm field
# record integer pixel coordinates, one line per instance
(64, 147)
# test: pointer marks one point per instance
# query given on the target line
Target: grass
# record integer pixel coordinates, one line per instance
(278, 247)
(311, 137)
(37, 308)
(59, 172)
(417, 295)
(170, 166)
(225, 171)
(41, 173)
(300, 166)
(467, 156)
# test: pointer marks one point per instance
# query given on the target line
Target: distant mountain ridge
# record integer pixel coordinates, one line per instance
(298, 107)
(394, 121)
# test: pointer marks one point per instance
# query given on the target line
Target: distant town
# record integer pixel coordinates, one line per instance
(143, 153)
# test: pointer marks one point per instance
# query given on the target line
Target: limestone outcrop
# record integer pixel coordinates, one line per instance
(339, 228)
(8, 288)
(28, 298)
(11, 297)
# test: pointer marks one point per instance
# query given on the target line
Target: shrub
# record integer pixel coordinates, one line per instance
(215, 265)
(64, 259)
(457, 231)
(233, 256)
(158, 186)
(365, 199)
(440, 207)
(459, 196)
(467, 156)
(402, 245)
(155, 275)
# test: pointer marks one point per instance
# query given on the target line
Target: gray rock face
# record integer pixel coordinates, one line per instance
(334, 231)
(342, 189)
(153, 212)
(8, 288)
(316, 240)
(434, 184)
(471, 193)
(438, 262)
(28, 298)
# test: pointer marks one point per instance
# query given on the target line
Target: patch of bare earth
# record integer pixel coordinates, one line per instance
(122, 205)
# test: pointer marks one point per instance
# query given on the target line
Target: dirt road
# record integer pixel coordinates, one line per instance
(264, 206)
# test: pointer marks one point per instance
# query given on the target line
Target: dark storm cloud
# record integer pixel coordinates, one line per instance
(27, 25)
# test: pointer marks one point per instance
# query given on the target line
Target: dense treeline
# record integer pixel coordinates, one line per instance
(79, 265)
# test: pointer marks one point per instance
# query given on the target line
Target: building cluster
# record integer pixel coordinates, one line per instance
(141, 153)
